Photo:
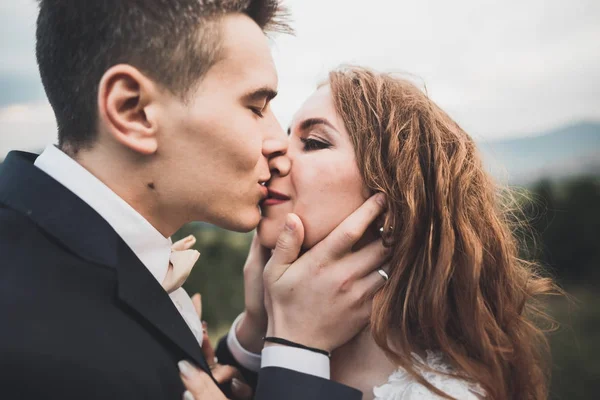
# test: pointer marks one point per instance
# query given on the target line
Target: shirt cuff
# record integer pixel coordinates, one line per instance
(299, 360)
(246, 359)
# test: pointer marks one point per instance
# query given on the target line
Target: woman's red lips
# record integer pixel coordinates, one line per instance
(277, 195)
(274, 197)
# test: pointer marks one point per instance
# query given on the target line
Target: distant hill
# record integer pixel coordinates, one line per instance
(561, 153)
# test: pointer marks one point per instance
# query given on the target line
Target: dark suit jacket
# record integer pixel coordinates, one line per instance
(82, 317)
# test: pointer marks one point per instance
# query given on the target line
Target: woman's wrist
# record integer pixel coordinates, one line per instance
(250, 332)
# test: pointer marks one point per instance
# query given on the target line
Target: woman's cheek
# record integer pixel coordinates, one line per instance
(318, 213)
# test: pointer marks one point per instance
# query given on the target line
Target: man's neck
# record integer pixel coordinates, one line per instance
(132, 183)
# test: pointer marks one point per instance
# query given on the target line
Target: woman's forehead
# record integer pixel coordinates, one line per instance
(318, 105)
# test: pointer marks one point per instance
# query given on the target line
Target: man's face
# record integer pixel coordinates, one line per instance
(212, 148)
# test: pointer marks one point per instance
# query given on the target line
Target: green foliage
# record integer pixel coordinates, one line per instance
(566, 219)
(575, 346)
(218, 274)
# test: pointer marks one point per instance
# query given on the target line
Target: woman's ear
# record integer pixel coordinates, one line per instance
(125, 97)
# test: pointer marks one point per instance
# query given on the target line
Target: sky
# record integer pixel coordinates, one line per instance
(500, 68)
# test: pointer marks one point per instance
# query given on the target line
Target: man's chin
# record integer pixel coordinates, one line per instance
(246, 222)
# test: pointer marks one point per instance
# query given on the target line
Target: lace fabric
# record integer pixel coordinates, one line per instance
(402, 386)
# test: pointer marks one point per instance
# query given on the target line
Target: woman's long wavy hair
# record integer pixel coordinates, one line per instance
(457, 284)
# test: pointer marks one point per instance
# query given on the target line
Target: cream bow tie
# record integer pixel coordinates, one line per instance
(182, 261)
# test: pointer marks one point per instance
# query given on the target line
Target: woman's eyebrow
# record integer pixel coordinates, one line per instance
(311, 122)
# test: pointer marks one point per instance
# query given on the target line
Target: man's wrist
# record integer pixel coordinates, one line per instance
(297, 336)
(304, 361)
(250, 333)
(289, 343)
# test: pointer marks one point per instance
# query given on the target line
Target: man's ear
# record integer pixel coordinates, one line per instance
(126, 98)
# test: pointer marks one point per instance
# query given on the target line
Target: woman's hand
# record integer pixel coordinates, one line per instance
(201, 387)
(253, 326)
(198, 383)
(184, 244)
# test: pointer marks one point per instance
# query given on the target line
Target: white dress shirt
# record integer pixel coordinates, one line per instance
(300, 360)
(154, 251)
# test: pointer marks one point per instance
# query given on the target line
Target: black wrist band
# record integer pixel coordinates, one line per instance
(289, 343)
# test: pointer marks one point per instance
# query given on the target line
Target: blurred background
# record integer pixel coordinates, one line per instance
(522, 77)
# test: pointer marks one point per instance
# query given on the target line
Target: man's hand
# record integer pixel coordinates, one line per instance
(324, 298)
(253, 326)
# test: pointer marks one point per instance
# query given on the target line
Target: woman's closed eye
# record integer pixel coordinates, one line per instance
(314, 144)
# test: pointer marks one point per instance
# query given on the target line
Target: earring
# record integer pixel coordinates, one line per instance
(381, 230)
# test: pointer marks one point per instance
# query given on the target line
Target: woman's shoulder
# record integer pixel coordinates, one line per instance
(402, 386)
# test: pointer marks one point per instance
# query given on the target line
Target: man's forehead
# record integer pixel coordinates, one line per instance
(243, 41)
(252, 82)
(256, 67)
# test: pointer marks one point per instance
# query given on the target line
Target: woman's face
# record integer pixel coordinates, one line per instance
(324, 185)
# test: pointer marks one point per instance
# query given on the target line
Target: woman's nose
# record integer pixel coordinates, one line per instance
(275, 150)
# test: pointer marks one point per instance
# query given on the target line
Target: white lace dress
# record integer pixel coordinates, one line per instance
(402, 386)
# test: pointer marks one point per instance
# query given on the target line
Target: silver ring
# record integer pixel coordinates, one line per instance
(383, 274)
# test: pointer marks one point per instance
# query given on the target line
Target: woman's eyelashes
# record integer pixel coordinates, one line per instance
(311, 144)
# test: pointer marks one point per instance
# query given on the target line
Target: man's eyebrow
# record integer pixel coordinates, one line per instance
(263, 93)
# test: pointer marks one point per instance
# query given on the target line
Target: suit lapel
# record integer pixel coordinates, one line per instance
(63, 215)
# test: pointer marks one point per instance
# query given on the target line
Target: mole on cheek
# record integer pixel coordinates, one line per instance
(151, 186)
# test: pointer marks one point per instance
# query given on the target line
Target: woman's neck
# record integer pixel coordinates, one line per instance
(361, 364)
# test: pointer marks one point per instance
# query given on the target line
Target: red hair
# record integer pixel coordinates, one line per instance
(457, 284)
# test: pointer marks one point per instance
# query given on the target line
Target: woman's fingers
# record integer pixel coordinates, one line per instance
(184, 244)
(198, 383)
(201, 386)
(225, 373)
(207, 349)
(374, 281)
(197, 301)
(240, 390)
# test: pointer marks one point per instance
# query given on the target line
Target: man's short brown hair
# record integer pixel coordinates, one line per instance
(173, 42)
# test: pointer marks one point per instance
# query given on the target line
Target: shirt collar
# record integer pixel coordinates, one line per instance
(148, 244)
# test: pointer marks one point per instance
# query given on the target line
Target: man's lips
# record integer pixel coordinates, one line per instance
(274, 197)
